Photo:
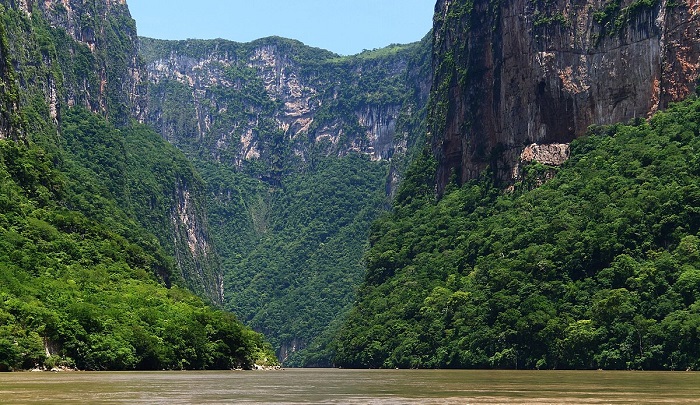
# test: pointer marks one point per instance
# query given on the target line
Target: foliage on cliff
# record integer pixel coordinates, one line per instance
(597, 268)
(303, 262)
(85, 280)
(82, 279)
(289, 209)
(293, 253)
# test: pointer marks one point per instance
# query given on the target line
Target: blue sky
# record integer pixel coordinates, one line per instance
(343, 26)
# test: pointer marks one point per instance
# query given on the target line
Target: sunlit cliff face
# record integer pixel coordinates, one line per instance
(522, 72)
(314, 109)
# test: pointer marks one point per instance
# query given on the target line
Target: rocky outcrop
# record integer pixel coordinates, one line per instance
(243, 103)
(106, 76)
(194, 253)
(509, 74)
(552, 155)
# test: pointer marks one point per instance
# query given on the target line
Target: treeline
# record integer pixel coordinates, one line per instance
(597, 268)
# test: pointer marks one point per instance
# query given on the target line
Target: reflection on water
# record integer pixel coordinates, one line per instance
(330, 386)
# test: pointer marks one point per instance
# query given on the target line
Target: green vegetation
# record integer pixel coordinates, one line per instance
(544, 16)
(87, 277)
(597, 268)
(301, 270)
(135, 177)
(290, 225)
(293, 253)
(84, 287)
(612, 17)
(544, 20)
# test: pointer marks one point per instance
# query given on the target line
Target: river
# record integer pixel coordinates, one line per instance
(332, 386)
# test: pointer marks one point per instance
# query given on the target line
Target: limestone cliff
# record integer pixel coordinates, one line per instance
(238, 103)
(101, 69)
(512, 73)
(59, 54)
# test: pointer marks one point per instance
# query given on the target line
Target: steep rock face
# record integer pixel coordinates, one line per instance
(194, 251)
(58, 54)
(110, 34)
(107, 75)
(522, 72)
(236, 103)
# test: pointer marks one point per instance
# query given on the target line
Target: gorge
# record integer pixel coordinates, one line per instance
(299, 147)
(519, 189)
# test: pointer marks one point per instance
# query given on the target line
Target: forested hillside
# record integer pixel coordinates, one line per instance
(143, 181)
(599, 267)
(496, 255)
(96, 209)
(300, 148)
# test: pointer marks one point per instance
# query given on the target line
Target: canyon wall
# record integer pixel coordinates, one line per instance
(63, 55)
(512, 73)
(239, 103)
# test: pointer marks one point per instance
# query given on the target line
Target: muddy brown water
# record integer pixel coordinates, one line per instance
(334, 386)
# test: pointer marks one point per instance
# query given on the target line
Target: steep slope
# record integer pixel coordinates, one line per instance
(91, 203)
(597, 268)
(512, 73)
(66, 54)
(592, 264)
(299, 148)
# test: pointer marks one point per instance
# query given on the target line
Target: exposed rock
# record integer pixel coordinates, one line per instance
(190, 231)
(553, 154)
(287, 348)
(107, 29)
(522, 72)
(233, 96)
(381, 130)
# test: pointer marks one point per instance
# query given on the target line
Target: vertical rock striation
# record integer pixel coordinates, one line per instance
(194, 254)
(101, 68)
(512, 73)
(59, 54)
(236, 103)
